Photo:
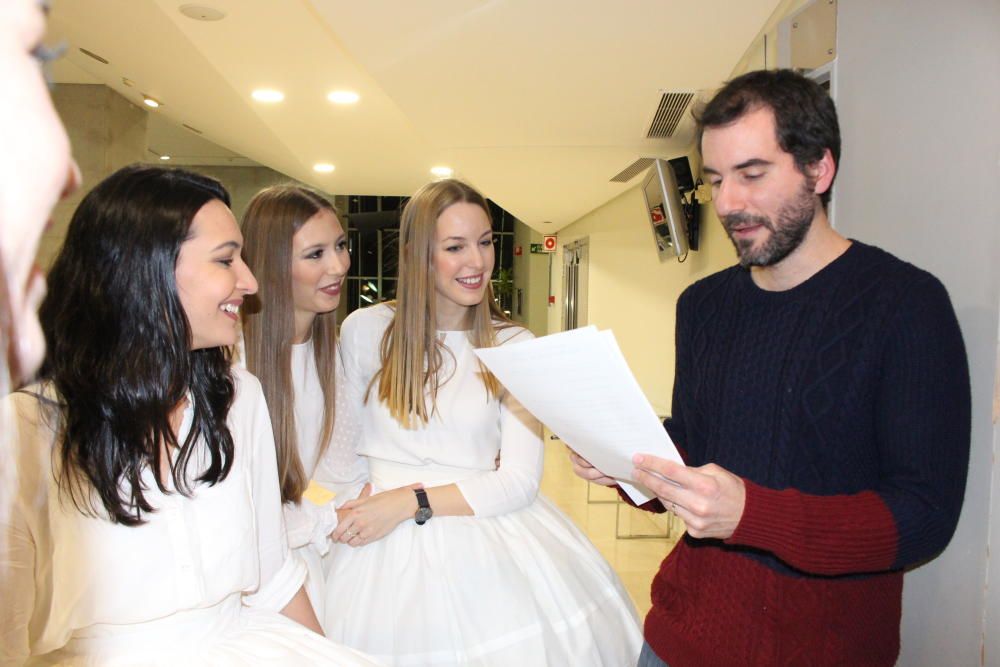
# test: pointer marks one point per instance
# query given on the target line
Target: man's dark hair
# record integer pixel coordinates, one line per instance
(805, 118)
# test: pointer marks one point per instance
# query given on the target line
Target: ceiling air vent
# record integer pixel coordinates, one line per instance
(631, 171)
(668, 114)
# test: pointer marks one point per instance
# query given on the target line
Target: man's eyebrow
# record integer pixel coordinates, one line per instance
(754, 162)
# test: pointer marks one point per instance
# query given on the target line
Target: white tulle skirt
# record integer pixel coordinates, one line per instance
(226, 635)
(523, 589)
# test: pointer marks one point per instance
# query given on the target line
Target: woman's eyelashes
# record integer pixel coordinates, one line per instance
(485, 243)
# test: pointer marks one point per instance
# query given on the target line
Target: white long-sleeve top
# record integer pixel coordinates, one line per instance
(309, 523)
(62, 572)
(467, 431)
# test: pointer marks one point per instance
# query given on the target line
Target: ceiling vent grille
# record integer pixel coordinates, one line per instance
(631, 171)
(668, 114)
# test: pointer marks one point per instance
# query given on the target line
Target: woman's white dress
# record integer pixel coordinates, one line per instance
(201, 583)
(309, 524)
(515, 585)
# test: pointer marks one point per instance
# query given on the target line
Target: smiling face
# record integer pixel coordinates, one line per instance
(35, 171)
(766, 204)
(463, 262)
(319, 263)
(212, 278)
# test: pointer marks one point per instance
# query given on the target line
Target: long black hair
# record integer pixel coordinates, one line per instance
(119, 345)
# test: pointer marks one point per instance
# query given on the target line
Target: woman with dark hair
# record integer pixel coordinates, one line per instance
(295, 245)
(152, 534)
(455, 559)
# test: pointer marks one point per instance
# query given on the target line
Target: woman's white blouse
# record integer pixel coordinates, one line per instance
(64, 573)
(309, 523)
(467, 432)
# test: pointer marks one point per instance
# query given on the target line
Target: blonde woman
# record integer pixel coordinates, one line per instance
(295, 245)
(455, 559)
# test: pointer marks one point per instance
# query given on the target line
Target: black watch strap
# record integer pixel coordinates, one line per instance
(424, 511)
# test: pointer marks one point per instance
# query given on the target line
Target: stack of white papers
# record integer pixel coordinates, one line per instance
(578, 384)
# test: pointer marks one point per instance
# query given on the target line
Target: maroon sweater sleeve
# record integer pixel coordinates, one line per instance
(819, 534)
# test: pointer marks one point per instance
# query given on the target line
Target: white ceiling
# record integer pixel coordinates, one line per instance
(536, 102)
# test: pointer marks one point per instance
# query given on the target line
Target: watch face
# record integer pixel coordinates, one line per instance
(422, 515)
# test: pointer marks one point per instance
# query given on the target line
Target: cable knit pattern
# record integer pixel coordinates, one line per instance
(844, 403)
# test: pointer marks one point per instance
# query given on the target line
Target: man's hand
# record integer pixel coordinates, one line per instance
(709, 499)
(582, 468)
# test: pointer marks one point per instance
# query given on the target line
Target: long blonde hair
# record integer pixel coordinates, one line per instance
(272, 218)
(411, 363)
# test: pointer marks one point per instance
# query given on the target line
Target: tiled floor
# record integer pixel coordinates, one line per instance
(600, 517)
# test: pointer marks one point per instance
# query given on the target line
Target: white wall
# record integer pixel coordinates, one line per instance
(531, 276)
(918, 89)
(632, 292)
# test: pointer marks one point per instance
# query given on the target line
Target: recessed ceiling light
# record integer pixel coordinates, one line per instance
(150, 102)
(343, 97)
(323, 167)
(202, 13)
(164, 157)
(442, 171)
(267, 95)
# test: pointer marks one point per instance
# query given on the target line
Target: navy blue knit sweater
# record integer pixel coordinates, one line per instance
(844, 404)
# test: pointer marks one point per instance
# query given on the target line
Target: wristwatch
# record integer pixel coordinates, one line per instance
(424, 511)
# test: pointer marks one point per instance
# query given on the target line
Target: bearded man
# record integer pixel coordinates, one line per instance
(822, 405)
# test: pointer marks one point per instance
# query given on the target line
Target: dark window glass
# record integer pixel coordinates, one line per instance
(353, 246)
(366, 255)
(508, 223)
(388, 289)
(507, 251)
(353, 302)
(390, 253)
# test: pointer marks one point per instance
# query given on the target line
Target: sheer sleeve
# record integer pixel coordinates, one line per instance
(309, 523)
(281, 572)
(514, 484)
(341, 469)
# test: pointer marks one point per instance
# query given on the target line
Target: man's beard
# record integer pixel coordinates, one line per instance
(794, 220)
